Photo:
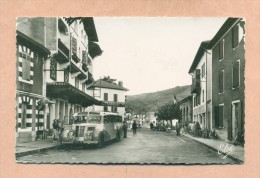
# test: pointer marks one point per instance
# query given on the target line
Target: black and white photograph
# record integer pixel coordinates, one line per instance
(130, 90)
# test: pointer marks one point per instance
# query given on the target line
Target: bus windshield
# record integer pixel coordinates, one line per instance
(89, 119)
(94, 119)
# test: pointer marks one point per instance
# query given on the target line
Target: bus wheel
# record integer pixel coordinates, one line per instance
(101, 141)
(117, 136)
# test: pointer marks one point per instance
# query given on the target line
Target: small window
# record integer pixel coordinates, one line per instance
(203, 70)
(221, 82)
(221, 49)
(53, 69)
(66, 75)
(236, 74)
(115, 97)
(76, 82)
(83, 87)
(105, 96)
(23, 115)
(26, 68)
(235, 36)
(203, 96)
(105, 108)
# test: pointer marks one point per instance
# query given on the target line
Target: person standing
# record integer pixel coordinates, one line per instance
(134, 127)
(55, 129)
(125, 126)
(178, 128)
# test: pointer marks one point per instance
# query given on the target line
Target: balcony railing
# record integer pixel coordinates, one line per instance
(63, 53)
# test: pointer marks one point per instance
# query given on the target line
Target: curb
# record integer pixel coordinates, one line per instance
(26, 153)
(229, 156)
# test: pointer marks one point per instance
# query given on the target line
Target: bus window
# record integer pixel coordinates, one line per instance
(94, 119)
(107, 119)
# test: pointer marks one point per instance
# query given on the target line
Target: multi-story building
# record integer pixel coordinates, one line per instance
(228, 66)
(111, 95)
(29, 87)
(186, 109)
(201, 84)
(218, 88)
(67, 72)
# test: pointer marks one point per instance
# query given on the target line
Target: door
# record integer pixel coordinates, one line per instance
(108, 127)
(235, 119)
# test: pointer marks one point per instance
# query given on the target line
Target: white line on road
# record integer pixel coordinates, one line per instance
(181, 139)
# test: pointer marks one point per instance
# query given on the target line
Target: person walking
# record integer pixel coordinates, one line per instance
(125, 126)
(134, 127)
(178, 127)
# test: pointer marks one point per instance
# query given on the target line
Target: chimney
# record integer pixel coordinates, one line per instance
(120, 83)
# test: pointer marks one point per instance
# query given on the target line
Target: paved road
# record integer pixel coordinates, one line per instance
(145, 147)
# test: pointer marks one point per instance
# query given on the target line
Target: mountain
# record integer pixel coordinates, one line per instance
(145, 102)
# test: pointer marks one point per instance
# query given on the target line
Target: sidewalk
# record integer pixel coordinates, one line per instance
(28, 148)
(235, 152)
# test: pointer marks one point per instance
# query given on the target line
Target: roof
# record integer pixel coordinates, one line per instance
(103, 84)
(198, 56)
(22, 38)
(222, 31)
(186, 99)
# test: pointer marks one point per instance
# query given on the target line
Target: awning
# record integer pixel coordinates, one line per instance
(94, 49)
(70, 93)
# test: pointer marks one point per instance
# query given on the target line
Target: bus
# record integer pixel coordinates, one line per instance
(94, 128)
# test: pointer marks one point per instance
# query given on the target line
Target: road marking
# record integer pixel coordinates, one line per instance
(181, 139)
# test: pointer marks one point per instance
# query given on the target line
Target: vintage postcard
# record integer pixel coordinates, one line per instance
(130, 90)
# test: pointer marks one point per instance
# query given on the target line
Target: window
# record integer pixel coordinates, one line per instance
(105, 96)
(26, 59)
(203, 96)
(219, 116)
(76, 82)
(203, 70)
(235, 36)
(198, 98)
(23, 115)
(53, 69)
(83, 87)
(66, 75)
(236, 74)
(221, 82)
(105, 108)
(221, 49)
(115, 97)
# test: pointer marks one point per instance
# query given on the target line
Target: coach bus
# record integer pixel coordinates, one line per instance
(94, 128)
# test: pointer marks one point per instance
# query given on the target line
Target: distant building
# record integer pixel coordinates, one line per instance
(111, 96)
(186, 109)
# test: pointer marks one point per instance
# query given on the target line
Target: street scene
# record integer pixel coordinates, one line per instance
(103, 90)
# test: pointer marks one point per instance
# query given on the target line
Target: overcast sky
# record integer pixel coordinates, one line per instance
(150, 54)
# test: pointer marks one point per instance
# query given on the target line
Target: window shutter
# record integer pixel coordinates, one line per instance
(221, 80)
(221, 113)
(236, 74)
(216, 112)
(105, 97)
(115, 97)
(26, 69)
(74, 45)
(221, 43)
(235, 36)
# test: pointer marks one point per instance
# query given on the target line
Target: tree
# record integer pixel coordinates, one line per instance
(109, 80)
(169, 111)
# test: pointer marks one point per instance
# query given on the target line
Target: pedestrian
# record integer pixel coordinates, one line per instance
(55, 130)
(151, 126)
(134, 127)
(60, 129)
(178, 128)
(125, 126)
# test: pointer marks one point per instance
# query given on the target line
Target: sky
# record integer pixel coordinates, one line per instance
(150, 54)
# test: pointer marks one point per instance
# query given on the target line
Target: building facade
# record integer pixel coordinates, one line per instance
(112, 96)
(186, 109)
(201, 86)
(228, 88)
(29, 87)
(68, 70)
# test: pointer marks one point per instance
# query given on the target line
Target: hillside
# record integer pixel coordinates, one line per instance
(149, 101)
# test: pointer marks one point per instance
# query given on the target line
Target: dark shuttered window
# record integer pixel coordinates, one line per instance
(236, 73)
(115, 97)
(235, 36)
(221, 49)
(105, 96)
(221, 81)
(26, 68)
(53, 69)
